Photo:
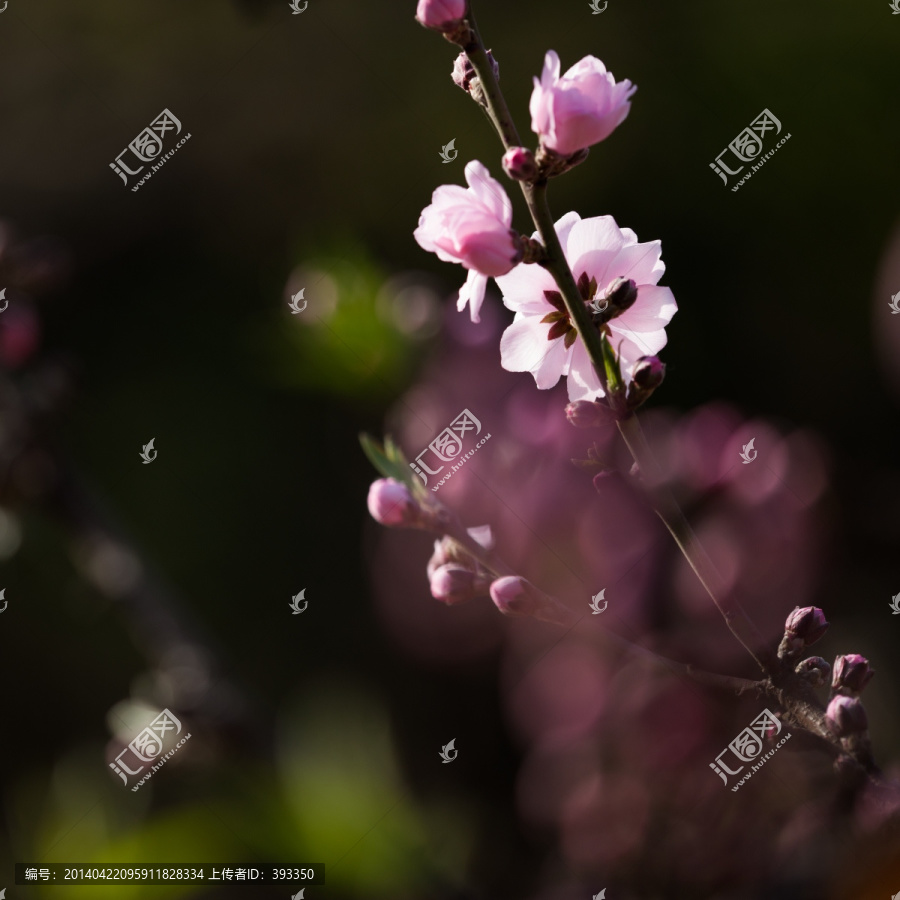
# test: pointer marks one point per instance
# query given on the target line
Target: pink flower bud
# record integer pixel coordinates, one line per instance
(814, 669)
(519, 164)
(452, 584)
(851, 672)
(589, 414)
(472, 227)
(845, 716)
(579, 109)
(514, 596)
(442, 15)
(804, 627)
(391, 503)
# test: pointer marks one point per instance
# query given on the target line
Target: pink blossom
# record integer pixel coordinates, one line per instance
(601, 252)
(440, 14)
(581, 108)
(471, 226)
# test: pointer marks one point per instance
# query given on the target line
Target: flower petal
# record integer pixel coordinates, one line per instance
(588, 235)
(524, 348)
(472, 292)
(489, 191)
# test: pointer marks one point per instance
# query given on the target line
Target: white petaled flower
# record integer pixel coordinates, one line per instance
(542, 339)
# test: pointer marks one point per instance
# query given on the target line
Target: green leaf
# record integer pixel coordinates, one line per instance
(391, 463)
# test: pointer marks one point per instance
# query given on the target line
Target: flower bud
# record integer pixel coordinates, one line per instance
(452, 584)
(514, 596)
(851, 673)
(391, 503)
(621, 294)
(845, 716)
(814, 669)
(802, 628)
(441, 15)
(646, 376)
(589, 414)
(466, 77)
(648, 373)
(519, 164)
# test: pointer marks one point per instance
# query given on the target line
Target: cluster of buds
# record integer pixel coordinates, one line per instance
(457, 574)
(845, 716)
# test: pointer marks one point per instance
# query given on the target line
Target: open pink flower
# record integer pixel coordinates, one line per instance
(598, 252)
(581, 108)
(471, 226)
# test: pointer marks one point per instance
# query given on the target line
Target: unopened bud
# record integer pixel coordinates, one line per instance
(851, 673)
(845, 716)
(391, 503)
(646, 376)
(452, 584)
(441, 15)
(466, 77)
(589, 414)
(802, 628)
(621, 294)
(519, 164)
(514, 596)
(814, 669)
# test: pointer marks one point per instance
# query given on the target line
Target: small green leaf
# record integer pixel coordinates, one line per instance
(391, 463)
(611, 367)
